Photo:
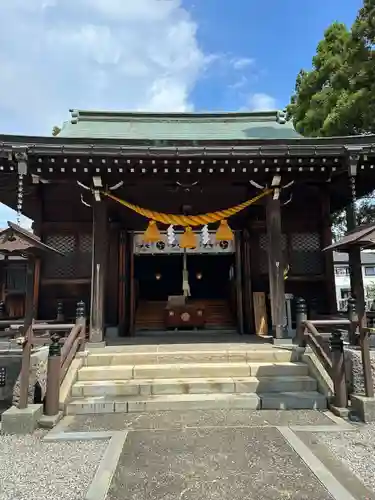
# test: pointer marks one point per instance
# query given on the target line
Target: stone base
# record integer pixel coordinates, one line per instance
(285, 341)
(49, 422)
(364, 407)
(25, 421)
(338, 411)
(95, 345)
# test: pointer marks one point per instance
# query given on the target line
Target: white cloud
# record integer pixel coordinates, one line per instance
(242, 62)
(94, 54)
(262, 102)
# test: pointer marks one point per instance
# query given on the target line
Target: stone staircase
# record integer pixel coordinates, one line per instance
(191, 377)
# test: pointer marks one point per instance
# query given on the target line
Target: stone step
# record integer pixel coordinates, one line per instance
(192, 370)
(183, 402)
(141, 387)
(194, 356)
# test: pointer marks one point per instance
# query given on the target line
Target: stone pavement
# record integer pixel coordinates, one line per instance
(220, 454)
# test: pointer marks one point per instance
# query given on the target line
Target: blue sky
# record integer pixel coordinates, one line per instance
(153, 55)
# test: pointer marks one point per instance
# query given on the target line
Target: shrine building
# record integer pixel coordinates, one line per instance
(211, 221)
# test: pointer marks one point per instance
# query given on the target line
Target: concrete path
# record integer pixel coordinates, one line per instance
(220, 454)
(235, 454)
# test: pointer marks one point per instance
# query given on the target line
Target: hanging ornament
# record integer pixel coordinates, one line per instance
(188, 239)
(224, 232)
(205, 235)
(171, 235)
(152, 233)
(19, 198)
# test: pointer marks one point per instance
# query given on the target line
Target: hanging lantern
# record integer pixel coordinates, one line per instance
(224, 232)
(188, 239)
(152, 233)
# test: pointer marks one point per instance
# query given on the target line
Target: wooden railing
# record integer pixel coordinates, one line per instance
(60, 359)
(331, 354)
(64, 340)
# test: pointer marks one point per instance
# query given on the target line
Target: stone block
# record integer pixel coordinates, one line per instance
(364, 407)
(25, 421)
(49, 421)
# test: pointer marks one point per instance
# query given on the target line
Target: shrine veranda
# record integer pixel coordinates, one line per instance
(183, 164)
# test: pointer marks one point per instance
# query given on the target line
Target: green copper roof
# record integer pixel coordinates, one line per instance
(178, 126)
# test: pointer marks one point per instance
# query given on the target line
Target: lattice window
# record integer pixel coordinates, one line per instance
(306, 254)
(85, 243)
(263, 251)
(76, 259)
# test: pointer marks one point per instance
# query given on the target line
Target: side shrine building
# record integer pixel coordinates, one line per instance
(169, 220)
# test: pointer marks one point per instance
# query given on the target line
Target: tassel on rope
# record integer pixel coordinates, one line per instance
(188, 239)
(152, 233)
(224, 232)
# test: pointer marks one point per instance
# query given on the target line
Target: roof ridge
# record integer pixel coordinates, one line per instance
(91, 115)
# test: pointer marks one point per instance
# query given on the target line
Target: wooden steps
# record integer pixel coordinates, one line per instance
(150, 315)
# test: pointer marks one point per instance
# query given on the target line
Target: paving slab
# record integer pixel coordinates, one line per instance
(207, 464)
(197, 418)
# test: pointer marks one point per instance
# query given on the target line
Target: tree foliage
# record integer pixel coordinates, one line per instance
(337, 96)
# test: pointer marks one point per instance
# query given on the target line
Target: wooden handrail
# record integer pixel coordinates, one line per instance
(70, 341)
(366, 360)
(60, 359)
(333, 360)
(311, 336)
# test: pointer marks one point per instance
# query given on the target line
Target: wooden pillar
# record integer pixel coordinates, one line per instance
(248, 296)
(275, 266)
(122, 280)
(132, 289)
(239, 303)
(355, 268)
(326, 240)
(99, 261)
(355, 263)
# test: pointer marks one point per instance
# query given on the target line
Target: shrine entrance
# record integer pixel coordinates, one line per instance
(207, 285)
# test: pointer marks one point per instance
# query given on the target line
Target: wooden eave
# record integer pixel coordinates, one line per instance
(361, 237)
(17, 241)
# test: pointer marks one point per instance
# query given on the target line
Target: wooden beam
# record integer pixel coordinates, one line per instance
(275, 266)
(99, 264)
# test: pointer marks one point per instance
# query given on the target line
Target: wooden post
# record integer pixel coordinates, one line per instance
(366, 363)
(248, 296)
(132, 290)
(326, 240)
(27, 334)
(275, 266)
(53, 376)
(99, 261)
(355, 268)
(239, 284)
(338, 370)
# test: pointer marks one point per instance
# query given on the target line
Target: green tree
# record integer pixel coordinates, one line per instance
(336, 97)
(56, 130)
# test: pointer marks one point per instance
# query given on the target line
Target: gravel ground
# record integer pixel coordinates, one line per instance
(357, 370)
(32, 469)
(356, 449)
